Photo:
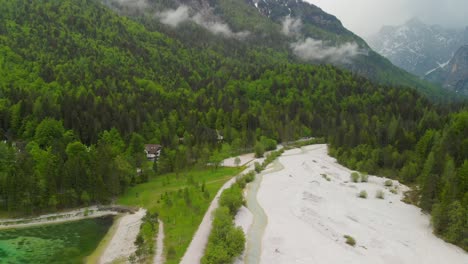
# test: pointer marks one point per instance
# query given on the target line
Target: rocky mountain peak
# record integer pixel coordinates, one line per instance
(417, 47)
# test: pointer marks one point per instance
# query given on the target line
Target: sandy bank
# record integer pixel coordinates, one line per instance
(121, 245)
(55, 218)
(308, 216)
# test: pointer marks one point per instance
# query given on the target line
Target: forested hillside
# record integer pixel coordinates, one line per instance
(82, 89)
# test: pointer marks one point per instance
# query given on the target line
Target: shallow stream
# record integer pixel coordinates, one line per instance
(260, 220)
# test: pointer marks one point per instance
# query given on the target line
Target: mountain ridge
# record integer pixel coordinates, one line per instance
(418, 47)
(261, 23)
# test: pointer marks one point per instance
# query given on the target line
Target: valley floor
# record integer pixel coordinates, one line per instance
(311, 204)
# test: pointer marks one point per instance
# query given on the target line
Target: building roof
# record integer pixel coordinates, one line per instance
(152, 148)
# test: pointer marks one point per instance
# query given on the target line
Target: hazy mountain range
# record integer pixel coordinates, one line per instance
(421, 49)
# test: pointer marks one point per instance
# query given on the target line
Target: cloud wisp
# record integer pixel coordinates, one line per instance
(174, 17)
(316, 50)
(137, 4)
(291, 26)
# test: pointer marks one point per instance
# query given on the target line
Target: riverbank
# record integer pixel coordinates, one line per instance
(311, 204)
(122, 243)
(60, 217)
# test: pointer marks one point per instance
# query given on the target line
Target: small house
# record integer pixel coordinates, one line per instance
(153, 151)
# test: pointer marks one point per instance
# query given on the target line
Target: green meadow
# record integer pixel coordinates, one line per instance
(181, 200)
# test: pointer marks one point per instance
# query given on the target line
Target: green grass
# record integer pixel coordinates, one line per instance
(181, 202)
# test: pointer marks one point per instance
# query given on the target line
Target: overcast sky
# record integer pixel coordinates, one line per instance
(365, 17)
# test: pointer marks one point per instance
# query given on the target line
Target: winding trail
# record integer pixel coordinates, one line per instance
(196, 249)
(158, 257)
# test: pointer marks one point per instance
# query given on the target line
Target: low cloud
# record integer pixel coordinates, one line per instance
(218, 28)
(291, 26)
(138, 4)
(316, 50)
(174, 17)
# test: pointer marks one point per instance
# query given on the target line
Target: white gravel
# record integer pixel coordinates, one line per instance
(122, 243)
(309, 215)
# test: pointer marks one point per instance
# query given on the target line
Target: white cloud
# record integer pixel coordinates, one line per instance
(173, 17)
(291, 26)
(316, 50)
(139, 4)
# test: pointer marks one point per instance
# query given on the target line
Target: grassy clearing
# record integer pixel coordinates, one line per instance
(181, 201)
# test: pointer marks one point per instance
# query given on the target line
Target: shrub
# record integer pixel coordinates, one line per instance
(232, 198)
(350, 240)
(388, 183)
(394, 191)
(380, 194)
(258, 167)
(259, 150)
(325, 177)
(249, 177)
(268, 143)
(363, 194)
(237, 161)
(225, 242)
(354, 176)
(364, 177)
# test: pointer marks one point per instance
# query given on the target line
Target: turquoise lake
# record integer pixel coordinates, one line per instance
(53, 244)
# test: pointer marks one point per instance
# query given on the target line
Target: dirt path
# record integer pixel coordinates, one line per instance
(55, 218)
(158, 257)
(196, 249)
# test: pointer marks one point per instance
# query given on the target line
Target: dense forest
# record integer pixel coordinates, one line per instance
(82, 89)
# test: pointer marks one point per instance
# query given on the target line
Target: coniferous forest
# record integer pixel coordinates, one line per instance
(82, 89)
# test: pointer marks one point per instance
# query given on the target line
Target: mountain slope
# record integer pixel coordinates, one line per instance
(454, 74)
(288, 29)
(417, 47)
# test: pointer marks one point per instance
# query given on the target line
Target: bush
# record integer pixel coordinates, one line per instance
(350, 240)
(268, 143)
(258, 167)
(363, 194)
(380, 194)
(325, 177)
(364, 177)
(225, 242)
(249, 177)
(237, 161)
(388, 183)
(232, 198)
(259, 150)
(354, 176)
